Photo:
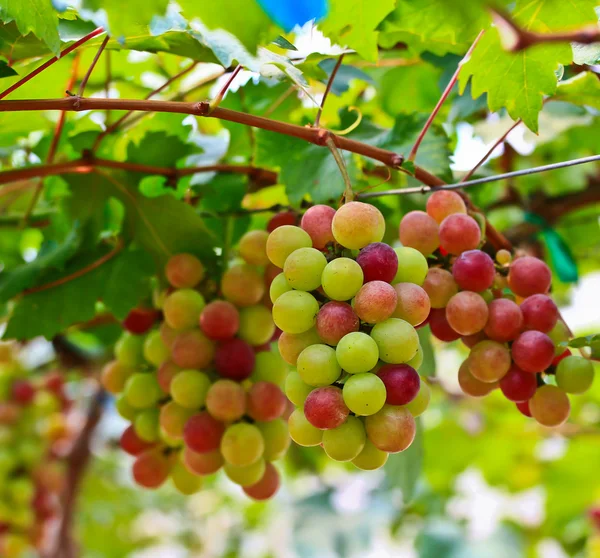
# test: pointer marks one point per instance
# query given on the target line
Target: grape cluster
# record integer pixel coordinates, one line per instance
(347, 305)
(202, 390)
(500, 309)
(32, 424)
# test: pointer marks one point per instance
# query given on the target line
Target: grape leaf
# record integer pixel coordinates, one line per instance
(582, 89)
(358, 31)
(6, 70)
(34, 16)
(519, 81)
(410, 89)
(158, 149)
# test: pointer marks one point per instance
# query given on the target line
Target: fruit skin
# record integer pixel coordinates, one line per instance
(474, 270)
(467, 313)
(357, 224)
(318, 365)
(303, 269)
(219, 320)
(550, 406)
(342, 278)
(234, 359)
(364, 394)
(243, 285)
(266, 487)
(282, 218)
(226, 400)
(253, 247)
(202, 433)
(182, 309)
(533, 351)
(317, 221)
(192, 349)
(375, 302)
(413, 303)
(539, 313)
(574, 374)
(489, 361)
(302, 431)
(334, 320)
(140, 320)
(392, 429)
(440, 327)
(396, 340)
(528, 276)
(325, 408)
(202, 463)
(151, 469)
(440, 286)
(378, 261)
(518, 386)
(283, 241)
(295, 312)
(412, 266)
(505, 320)
(266, 401)
(242, 444)
(370, 458)
(401, 381)
(357, 352)
(523, 407)
(419, 231)
(443, 203)
(352, 432)
(459, 233)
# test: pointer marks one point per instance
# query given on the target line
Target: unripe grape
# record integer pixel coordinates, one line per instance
(401, 382)
(140, 320)
(392, 429)
(155, 351)
(467, 313)
(518, 386)
(283, 241)
(269, 367)
(282, 218)
(202, 463)
(219, 320)
(151, 469)
(318, 365)
(192, 349)
(419, 231)
(253, 247)
(559, 334)
(317, 223)
(357, 352)
(266, 487)
(234, 359)
(505, 320)
(279, 285)
(129, 350)
(202, 433)
(276, 436)
(189, 388)
(364, 394)
(459, 233)
(182, 309)
(295, 312)
(378, 261)
(550, 406)
(265, 402)
(291, 345)
(412, 266)
(539, 313)
(533, 351)
(242, 285)
(413, 304)
(256, 325)
(574, 374)
(295, 389)
(440, 327)
(396, 340)
(420, 403)
(342, 278)
(334, 320)
(142, 390)
(184, 271)
(489, 361)
(416, 361)
(146, 425)
(185, 481)
(325, 409)
(357, 224)
(503, 257)
(245, 475)
(242, 444)
(303, 269)
(443, 203)
(114, 375)
(474, 271)
(302, 431)
(124, 408)
(131, 443)
(440, 287)
(345, 442)
(528, 276)
(173, 418)
(370, 458)
(471, 385)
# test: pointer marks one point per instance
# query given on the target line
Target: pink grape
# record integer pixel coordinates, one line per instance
(533, 351)
(168, 335)
(419, 231)
(165, 374)
(489, 361)
(266, 487)
(226, 400)
(378, 261)
(132, 444)
(202, 433)
(375, 302)
(281, 219)
(440, 327)
(518, 386)
(443, 203)
(325, 409)
(151, 469)
(402, 383)
(529, 276)
(539, 313)
(266, 401)
(523, 407)
(192, 349)
(392, 429)
(202, 463)
(459, 233)
(550, 406)
(173, 418)
(474, 271)
(317, 223)
(184, 271)
(413, 303)
(505, 320)
(471, 385)
(334, 320)
(220, 320)
(467, 313)
(234, 359)
(440, 287)
(243, 285)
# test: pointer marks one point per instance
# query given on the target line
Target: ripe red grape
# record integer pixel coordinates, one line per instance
(443, 203)
(529, 276)
(226, 400)
(459, 233)
(132, 444)
(220, 320)
(202, 463)
(523, 407)
(192, 349)
(467, 313)
(151, 469)
(243, 285)
(375, 302)
(489, 361)
(234, 359)
(266, 401)
(413, 303)
(533, 351)
(317, 223)
(505, 320)
(282, 218)
(165, 374)
(23, 392)
(266, 487)
(378, 261)
(550, 406)
(419, 231)
(440, 327)
(402, 383)
(474, 271)
(202, 433)
(140, 320)
(440, 287)
(392, 429)
(334, 320)
(539, 313)
(184, 271)
(325, 409)
(471, 385)
(518, 386)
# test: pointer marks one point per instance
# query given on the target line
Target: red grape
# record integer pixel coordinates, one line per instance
(474, 271)
(202, 433)
(378, 261)
(440, 287)
(184, 271)
(518, 386)
(413, 303)
(533, 351)
(166, 372)
(202, 463)
(523, 407)
(220, 320)
(23, 392)
(459, 233)
(266, 487)
(489, 361)
(324, 408)
(392, 429)
(282, 218)
(419, 231)
(334, 320)
(375, 302)
(317, 223)
(505, 320)
(192, 349)
(467, 313)
(471, 340)
(140, 320)
(539, 313)
(440, 327)
(151, 469)
(132, 444)
(471, 385)
(443, 203)
(266, 401)
(234, 359)
(402, 383)
(529, 276)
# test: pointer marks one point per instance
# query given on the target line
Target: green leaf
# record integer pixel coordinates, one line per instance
(410, 89)
(428, 367)
(344, 75)
(519, 81)
(403, 470)
(282, 42)
(6, 70)
(586, 341)
(33, 16)
(158, 149)
(353, 22)
(52, 256)
(582, 89)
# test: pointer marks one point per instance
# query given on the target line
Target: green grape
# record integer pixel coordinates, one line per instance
(295, 388)
(357, 352)
(420, 403)
(256, 325)
(172, 419)
(114, 375)
(269, 367)
(318, 365)
(290, 346)
(279, 285)
(129, 350)
(155, 351)
(146, 425)
(416, 361)
(396, 340)
(243, 285)
(302, 431)
(559, 334)
(253, 247)
(124, 408)
(370, 458)
(182, 309)
(364, 394)
(345, 442)
(142, 390)
(277, 438)
(242, 444)
(23, 518)
(550, 406)
(184, 481)
(342, 278)
(303, 269)
(21, 490)
(295, 311)
(412, 266)
(189, 388)
(285, 240)
(574, 374)
(245, 475)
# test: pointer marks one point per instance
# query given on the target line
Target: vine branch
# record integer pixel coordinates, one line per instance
(88, 74)
(328, 89)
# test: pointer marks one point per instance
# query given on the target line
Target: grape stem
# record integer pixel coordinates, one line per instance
(88, 74)
(328, 89)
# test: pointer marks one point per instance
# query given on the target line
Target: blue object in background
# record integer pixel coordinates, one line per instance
(289, 13)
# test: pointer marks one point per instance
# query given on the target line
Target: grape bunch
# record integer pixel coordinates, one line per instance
(202, 390)
(347, 305)
(500, 309)
(32, 424)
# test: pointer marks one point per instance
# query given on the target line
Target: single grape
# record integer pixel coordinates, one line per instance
(151, 469)
(318, 365)
(242, 444)
(505, 320)
(529, 276)
(182, 309)
(295, 389)
(234, 359)
(245, 475)
(172, 419)
(186, 482)
(202, 463)
(265, 402)
(256, 325)
(523, 407)
(334, 320)
(471, 385)
(559, 334)
(420, 403)
(226, 400)
(269, 367)
(243, 285)
(202, 433)
(489, 361)
(357, 224)
(375, 302)
(396, 340)
(124, 408)
(533, 351)
(155, 351)
(184, 271)
(443, 203)
(402, 383)
(290, 346)
(503, 257)
(277, 438)
(302, 431)
(419, 231)
(114, 375)
(467, 313)
(283, 241)
(440, 327)
(550, 406)
(140, 320)
(357, 352)
(303, 269)
(132, 444)
(364, 394)
(392, 429)
(413, 304)
(459, 233)
(574, 374)
(325, 409)
(266, 487)
(342, 278)
(295, 312)
(253, 247)
(219, 320)
(518, 386)
(317, 223)
(282, 218)
(167, 334)
(416, 361)
(440, 287)
(412, 266)
(345, 442)
(189, 388)
(165, 374)
(378, 261)
(142, 390)
(146, 425)
(474, 271)
(370, 458)
(539, 313)
(279, 285)
(129, 350)
(192, 349)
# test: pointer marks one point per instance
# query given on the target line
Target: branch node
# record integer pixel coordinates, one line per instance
(203, 108)
(322, 136)
(396, 161)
